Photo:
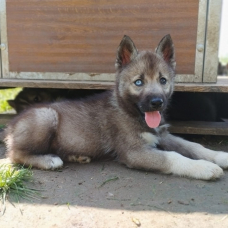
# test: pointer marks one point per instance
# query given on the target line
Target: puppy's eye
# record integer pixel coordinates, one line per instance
(163, 81)
(139, 82)
(36, 99)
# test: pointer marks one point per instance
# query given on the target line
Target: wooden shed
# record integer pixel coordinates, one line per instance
(72, 43)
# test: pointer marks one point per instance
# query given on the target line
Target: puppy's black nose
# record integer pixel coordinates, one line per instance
(156, 102)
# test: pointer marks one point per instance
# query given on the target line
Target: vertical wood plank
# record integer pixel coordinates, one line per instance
(201, 29)
(212, 41)
(4, 40)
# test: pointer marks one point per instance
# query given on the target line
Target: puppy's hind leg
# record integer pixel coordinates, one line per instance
(29, 138)
(78, 158)
(48, 161)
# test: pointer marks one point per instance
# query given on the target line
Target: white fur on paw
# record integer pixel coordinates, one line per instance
(198, 169)
(52, 162)
(205, 170)
(221, 159)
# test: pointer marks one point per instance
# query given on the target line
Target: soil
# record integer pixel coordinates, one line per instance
(105, 194)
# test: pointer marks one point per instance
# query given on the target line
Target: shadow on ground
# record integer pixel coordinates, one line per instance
(109, 185)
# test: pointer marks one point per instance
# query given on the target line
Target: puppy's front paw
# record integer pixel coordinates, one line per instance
(205, 170)
(198, 169)
(221, 159)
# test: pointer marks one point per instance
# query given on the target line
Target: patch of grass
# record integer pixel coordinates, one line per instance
(7, 94)
(224, 60)
(12, 182)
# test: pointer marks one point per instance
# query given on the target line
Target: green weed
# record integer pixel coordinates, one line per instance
(7, 94)
(12, 182)
(224, 60)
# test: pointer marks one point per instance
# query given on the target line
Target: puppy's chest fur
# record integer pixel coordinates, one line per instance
(120, 130)
(149, 139)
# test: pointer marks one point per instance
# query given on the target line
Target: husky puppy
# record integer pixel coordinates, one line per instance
(127, 122)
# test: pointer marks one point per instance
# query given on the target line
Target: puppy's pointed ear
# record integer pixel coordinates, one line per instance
(126, 52)
(12, 103)
(166, 50)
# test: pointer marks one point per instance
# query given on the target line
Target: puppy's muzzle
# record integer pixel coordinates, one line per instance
(156, 103)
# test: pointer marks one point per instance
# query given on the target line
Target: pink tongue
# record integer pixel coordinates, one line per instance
(153, 119)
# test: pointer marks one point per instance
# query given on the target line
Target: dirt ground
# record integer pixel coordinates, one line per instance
(105, 194)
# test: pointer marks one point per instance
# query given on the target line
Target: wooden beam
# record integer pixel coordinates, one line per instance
(199, 127)
(58, 84)
(220, 86)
